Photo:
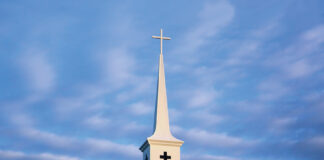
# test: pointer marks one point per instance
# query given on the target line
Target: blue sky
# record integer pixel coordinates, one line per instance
(244, 78)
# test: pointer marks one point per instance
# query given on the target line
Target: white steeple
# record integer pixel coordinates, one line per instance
(161, 145)
(161, 117)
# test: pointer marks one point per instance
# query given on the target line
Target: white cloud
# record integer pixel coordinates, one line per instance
(300, 68)
(133, 127)
(268, 30)
(251, 107)
(16, 155)
(300, 59)
(244, 54)
(248, 51)
(11, 154)
(206, 117)
(214, 139)
(88, 99)
(66, 105)
(97, 122)
(48, 156)
(93, 146)
(317, 141)
(272, 89)
(48, 138)
(212, 157)
(295, 61)
(119, 67)
(233, 67)
(316, 35)
(140, 86)
(105, 146)
(210, 139)
(38, 70)
(118, 70)
(175, 114)
(22, 120)
(140, 108)
(314, 96)
(212, 18)
(201, 97)
(206, 157)
(280, 125)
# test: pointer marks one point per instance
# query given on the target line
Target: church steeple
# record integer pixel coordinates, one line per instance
(161, 145)
(161, 117)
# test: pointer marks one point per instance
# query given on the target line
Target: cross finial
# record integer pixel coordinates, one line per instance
(162, 38)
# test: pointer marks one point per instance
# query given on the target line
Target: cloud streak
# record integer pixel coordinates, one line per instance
(212, 18)
(89, 146)
(38, 71)
(16, 155)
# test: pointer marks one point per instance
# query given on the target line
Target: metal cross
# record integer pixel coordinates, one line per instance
(162, 38)
(165, 156)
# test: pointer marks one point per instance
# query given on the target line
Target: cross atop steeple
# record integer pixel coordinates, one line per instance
(162, 38)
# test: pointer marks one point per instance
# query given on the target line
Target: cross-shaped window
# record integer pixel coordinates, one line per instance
(165, 156)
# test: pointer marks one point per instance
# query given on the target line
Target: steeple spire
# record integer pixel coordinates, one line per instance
(161, 118)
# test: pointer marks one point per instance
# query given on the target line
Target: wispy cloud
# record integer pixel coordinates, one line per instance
(140, 108)
(281, 125)
(94, 146)
(38, 70)
(48, 138)
(317, 141)
(104, 146)
(119, 66)
(211, 139)
(199, 97)
(97, 122)
(301, 58)
(17, 155)
(206, 117)
(62, 143)
(272, 89)
(206, 157)
(212, 18)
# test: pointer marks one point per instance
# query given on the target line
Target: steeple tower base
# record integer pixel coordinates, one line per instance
(154, 149)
